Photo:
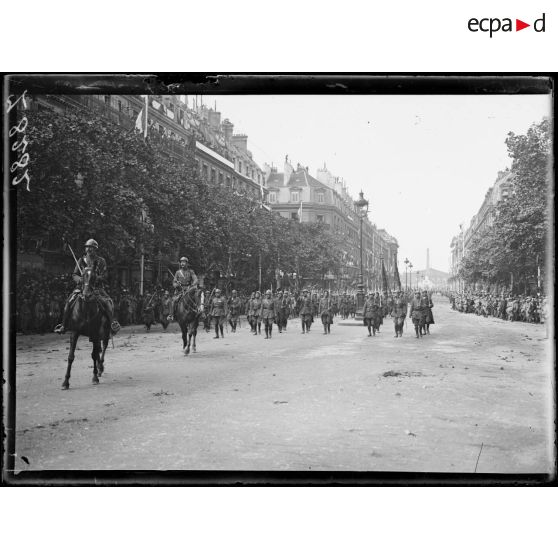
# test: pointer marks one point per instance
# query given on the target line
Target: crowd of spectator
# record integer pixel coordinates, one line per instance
(506, 306)
(41, 296)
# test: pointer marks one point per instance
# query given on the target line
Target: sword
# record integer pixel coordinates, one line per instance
(75, 259)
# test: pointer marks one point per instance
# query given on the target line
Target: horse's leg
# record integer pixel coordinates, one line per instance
(194, 333)
(73, 342)
(95, 352)
(102, 357)
(185, 346)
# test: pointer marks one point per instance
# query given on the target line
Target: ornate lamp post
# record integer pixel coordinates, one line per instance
(361, 206)
(410, 276)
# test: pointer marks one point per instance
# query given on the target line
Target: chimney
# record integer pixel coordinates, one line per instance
(288, 171)
(240, 141)
(214, 118)
(228, 127)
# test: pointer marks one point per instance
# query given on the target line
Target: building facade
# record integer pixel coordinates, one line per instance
(478, 225)
(295, 194)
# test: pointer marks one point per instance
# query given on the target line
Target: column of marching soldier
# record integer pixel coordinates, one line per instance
(271, 308)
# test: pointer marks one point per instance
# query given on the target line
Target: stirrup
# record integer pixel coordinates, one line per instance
(59, 329)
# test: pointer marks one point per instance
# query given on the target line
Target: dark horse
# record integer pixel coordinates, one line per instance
(188, 311)
(87, 318)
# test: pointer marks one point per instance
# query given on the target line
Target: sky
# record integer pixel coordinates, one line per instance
(423, 162)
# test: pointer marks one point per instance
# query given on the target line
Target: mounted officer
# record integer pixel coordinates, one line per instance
(183, 278)
(99, 265)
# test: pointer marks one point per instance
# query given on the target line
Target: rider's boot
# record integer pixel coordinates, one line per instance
(61, 328)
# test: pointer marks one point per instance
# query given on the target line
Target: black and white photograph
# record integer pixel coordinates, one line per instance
(306, 275)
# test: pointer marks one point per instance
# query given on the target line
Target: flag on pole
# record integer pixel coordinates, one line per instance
(146, 97)
(300, 212)
(385, 284)
(396, 279)
(139, 121)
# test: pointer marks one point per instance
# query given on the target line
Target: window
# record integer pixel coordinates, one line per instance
(321, 197)
(240, 166)
(294, 197)
(228, 183)
(294, 216)
(213, 176)
(320, 218)
(206, 171)
(220, 178)
(272, 197)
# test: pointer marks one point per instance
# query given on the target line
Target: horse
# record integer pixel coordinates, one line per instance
(89, 319)
(188, 310)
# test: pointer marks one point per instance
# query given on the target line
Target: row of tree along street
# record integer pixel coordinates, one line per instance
(91, 178)
(512, 253)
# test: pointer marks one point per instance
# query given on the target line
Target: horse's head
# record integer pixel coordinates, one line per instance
(88, 282)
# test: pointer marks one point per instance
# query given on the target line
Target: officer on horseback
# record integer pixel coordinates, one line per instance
(92, 260)
(183, 278)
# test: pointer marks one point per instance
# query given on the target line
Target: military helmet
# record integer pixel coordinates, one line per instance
(217, 291)
(234, 292)
(184, 259)
(92, 242)
(267, 292)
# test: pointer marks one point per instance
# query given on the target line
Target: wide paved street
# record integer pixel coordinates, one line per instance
(295, 402)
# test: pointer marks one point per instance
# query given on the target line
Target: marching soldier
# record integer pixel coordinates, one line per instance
(234, 310)
(256, 310)
(326, 313)
(218, 311)
(306, 311)
(416, 314)
(399, 313)
(427, 305)
(183, 278)
(99, 265)
(268, 313)
(368, 314)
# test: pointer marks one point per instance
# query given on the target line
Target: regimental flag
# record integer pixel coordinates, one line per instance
(396, 279)
(385, 284)
(139, 121)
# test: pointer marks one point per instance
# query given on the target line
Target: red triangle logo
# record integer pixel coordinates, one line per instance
(519, 25)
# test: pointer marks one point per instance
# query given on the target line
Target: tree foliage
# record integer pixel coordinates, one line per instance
(516, 243)
(91, 178)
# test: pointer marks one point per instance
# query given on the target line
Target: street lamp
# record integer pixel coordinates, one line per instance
(361, 206)
(406, 262)
(410, 276)
(418, 272)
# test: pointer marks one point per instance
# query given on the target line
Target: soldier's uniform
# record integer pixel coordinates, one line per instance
(326, 313)
(427, 306)
(282, 309)
(218, 312)
(306, 311)
(234, 305)
(182, 280)
(99, 267)
(256, 311)
(416, 313)
(399, 313)
(268, 313)
(368, 314)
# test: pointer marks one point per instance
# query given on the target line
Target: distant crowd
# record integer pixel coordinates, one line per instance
(506, 306)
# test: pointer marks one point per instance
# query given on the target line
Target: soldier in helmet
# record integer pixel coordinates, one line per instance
(183, 278)
(268, 313)
(306, 311)
(99, 265)
(218, 311)
(234, 304)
